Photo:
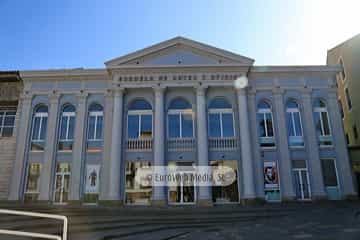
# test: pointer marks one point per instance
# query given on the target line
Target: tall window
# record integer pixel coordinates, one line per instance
(39, 128)
(342, 69)
(33, 182)
(265, 123)
(7, 121)
(322, 123)
(180, 119)
(348, 99)
(140, 120)
(95, 127)
(294, 125)
(221, 119)
(341, 109)
(67, 126)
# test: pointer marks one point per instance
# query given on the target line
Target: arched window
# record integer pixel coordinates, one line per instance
(139, 119)
(265, 123)
(67, 126)
(180, 119)
(322, 123)
(294, 125)
(95, 127)
(221, 119)
(39, 126)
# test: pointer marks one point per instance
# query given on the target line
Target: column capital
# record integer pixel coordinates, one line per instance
(118, 91)
(26, 96)
(278, 91)
(159, 89)
(306, 91)
(82, 96)
(54, 97)
(201, 90)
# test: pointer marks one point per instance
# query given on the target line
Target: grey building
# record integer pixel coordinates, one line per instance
(84, 133)
(347, 54)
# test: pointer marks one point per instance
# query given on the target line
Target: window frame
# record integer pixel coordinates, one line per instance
(322, 137)
(140, 113)
(297, 138)
(180, 113)
(263, 112)
(4, 110)
(42, 116)
(96, 114)
(68, 116)
(222, 111)
(348, 99)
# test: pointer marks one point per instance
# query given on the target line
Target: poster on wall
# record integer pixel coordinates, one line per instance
(92, 179)
(271, 180)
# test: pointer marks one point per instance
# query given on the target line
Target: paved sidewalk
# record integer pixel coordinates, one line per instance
(329, 220)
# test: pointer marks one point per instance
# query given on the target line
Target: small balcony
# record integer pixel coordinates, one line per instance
(221, 144)
(139, 145)
(181, 144)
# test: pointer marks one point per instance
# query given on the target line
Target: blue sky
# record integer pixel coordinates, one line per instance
(67, 33)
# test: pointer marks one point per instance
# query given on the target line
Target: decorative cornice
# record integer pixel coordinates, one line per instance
(296, 69)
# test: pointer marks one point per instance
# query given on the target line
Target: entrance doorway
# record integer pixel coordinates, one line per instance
(62, 180)
(182, 191)
(301, 180)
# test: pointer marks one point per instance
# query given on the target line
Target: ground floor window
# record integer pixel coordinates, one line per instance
(183, 190)
(301, 180)
(330, 178)
(62, 183)
(229, 193)
(33, 182)
(92, 182)
(135, 193)
(271, 181)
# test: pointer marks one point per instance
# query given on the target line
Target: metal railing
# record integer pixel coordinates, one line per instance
(181, 144)
(37, 235)
(223, 143)
(144, 144)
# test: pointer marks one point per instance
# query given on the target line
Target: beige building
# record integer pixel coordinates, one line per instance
(10, 87)
(347, 54)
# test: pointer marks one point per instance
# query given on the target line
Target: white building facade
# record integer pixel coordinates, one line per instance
(83, 133)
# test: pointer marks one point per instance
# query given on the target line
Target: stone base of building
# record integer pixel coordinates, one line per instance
(159, 203)
(74, 202)
(205, 203)
(111, 203)
(252, 201)
(351, 197)
(319, 198)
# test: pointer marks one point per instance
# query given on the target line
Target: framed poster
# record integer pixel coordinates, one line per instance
(271, 178)
(92, 179)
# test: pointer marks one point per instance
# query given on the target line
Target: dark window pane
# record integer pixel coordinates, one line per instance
(290, 124)
(133, 126)
(269, 125)
(63, 128)
(263, 105)
(91, 131)
(219, 102)
(348, 99)
(36, 128)
(326, 123)
(174, 126)
(7, 131)
(329, 172)
(187, 126)
(95, 107)
(71, 127)
(261, 122)
(99, 127)
(9, 120)
(41, 108)
(297, 124)
(140, 104)
(43, 128)
(214, 125)
(146, 126)
(317, 123)
(180, 104)
(69, 108)
(228, 125)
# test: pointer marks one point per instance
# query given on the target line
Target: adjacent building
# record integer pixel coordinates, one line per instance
(83, 133)
(10, 89)
(347, 55)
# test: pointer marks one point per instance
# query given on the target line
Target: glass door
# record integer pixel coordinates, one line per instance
(302, 187)
(62, 180)
(183, 192)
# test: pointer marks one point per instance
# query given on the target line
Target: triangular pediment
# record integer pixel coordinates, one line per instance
(180, 51)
